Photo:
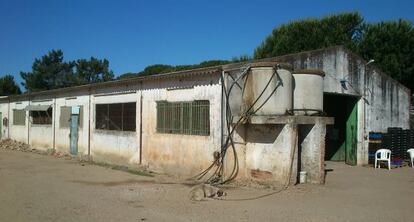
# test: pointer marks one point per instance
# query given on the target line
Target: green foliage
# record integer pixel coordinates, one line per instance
(51, 72)
(93, 71)
(8, 86)
(161, 68)
(391, 44)
(308, 34)
(127, 75)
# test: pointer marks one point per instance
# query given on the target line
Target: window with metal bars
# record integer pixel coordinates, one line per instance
(191, 118)
(42, 117)
(19, 117)
(116, 116)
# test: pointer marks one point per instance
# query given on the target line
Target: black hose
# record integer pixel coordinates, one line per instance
(229, 142)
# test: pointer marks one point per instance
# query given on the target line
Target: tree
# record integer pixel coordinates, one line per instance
(127, 75)
(92, 71)
(49, 72)
(308, 34)
(8, 86)
(156, 69)
(391, 45)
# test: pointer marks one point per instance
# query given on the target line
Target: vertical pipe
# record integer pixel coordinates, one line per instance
(222, 109)
(89, 125)
(140, 126)
(54, 123)
(28, 124)
(8, 119)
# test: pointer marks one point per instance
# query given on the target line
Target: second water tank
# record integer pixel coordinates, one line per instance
(308, 91)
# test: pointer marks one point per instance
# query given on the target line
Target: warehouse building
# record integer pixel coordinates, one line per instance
(178, 123)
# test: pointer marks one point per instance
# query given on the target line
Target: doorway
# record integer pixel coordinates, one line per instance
(341, 138)
(74, 130)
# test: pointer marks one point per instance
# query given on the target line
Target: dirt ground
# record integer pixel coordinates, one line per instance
(37, 187)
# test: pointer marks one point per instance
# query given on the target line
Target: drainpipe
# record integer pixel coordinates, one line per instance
(8, 119)
(222, 108)
(89, 125)
(140, 126)
(54, 123)
(28, 124)
(366, 134)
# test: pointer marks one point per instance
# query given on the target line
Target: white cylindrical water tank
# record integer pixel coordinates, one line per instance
(308, 91)
(276, 98)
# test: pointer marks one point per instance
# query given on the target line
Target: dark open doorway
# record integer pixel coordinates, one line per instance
(341, 138)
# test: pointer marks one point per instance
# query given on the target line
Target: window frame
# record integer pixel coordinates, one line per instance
(14, 117)
(49, 120)
(127, 123)
(80, 119)
(183, 117)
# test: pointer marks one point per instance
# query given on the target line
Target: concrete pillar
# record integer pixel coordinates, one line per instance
(313, 152)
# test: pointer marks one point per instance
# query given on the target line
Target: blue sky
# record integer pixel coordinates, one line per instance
(134, 34)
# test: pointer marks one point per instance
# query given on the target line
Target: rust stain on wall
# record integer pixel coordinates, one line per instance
(259, 174)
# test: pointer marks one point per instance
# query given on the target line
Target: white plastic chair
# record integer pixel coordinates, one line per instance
(383, 155)
(411, 152)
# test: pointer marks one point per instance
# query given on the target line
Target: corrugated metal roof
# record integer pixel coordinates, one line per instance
(185, 73)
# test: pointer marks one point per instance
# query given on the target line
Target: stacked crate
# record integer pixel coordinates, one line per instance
(396, 139)
(375, 143)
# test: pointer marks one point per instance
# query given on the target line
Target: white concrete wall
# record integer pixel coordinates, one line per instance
(383, 102)
(171, 153)
(177, 153)
(114, 146)
(268, 151)
(4, 109)
(62, 133)
(41, 136)
(18, 132)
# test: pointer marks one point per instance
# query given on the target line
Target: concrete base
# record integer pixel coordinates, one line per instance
(276, 148)
(312, 152)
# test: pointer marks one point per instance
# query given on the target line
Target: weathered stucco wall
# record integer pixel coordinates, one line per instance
(176, 153)
(17, 132)
(41, 136)
(269, 150)
(62, 133)
(387, 101)
(168, 153)
(120, 147)
(383, 102)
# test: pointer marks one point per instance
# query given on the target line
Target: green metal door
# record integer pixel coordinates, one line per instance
(351, 133)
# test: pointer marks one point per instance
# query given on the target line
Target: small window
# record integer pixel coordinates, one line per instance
(191, 118)
(19, 117)
(42, 117)
(65, 113)
(117, 116)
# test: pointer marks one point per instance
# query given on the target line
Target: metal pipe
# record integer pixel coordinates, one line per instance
(28, 124)
(89, 125)
(8, 119)
(140, 126)
(222, 109)
(54, 123)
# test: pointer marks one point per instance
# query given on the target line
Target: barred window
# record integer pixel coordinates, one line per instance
(65, 113)
(42, 117)
(191, 118)
(117, 116)
(19, 117)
